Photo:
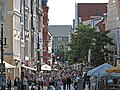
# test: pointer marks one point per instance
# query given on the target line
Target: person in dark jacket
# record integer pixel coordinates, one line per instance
(85, 80)
(9, 83)
(64, 83)
(69, 81)
(16, 83)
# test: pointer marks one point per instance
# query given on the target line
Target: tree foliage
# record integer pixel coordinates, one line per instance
(63, 50)
(86, 38)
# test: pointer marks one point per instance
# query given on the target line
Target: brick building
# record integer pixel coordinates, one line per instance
(84, 11)
(45, 32)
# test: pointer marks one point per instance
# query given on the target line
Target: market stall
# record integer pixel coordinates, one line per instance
(116, 80)
(102, 77)
(114, 69)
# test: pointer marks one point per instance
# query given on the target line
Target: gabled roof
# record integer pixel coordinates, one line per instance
(60, 30)
(100, 23)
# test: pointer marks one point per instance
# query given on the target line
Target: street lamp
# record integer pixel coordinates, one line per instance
(38, 52)
(3, 43)
(2, 53)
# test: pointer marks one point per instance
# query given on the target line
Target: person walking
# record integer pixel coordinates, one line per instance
(76, 84)
(64, 83)
(3, 84)
(80, 83)
(19, 84)
(41, 82)
(25, 84)
(85, 81)
(16, 83)
(69, 81)
(93, 83)
(9, 83)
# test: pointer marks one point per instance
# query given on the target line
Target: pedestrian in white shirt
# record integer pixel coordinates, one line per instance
(93, 82)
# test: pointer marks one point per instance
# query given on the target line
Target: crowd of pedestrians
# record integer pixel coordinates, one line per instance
(17, 84)
(72, 79)
(61, 80)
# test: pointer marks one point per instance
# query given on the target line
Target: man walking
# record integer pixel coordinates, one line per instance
(9, 83)
(16, 83)
(68, 83)
(64, 83)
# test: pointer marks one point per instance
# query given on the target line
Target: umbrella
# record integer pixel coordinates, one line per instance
(114, 69)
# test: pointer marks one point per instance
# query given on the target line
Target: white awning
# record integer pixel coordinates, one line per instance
(7, 65)
(55, 69)
(46, 67)
(30, 68)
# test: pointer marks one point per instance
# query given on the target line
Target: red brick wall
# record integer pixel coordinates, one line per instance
(86, 10)
(118, 4)
(45, 33)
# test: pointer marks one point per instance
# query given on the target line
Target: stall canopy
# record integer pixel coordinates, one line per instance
(100, 70)
(114, 69)
(46, 67)
(7, 65)
(30, 68)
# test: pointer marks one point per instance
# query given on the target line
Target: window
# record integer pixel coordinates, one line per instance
(26, 2)
(16, 47)
(16, 22)
(26, 22)
(17, 5)
(1, 12)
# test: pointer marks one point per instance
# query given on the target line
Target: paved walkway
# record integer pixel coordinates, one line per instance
(86, 87)
(45, 88)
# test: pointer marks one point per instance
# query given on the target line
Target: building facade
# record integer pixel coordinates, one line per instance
(84, 11)
(23, 26)
(61, 35)
(113, 24)
(45, 31)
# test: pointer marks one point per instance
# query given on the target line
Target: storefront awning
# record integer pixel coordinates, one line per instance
(7, 65)
(30, 68)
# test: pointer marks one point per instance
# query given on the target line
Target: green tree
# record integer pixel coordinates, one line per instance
(86, 38)
(63, 52)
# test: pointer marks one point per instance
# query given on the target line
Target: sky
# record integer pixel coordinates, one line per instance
(62, 12)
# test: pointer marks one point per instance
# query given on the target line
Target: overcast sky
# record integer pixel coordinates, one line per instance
(62, 12)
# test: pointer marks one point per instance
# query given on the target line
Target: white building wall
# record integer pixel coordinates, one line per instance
(76, 14)
(16, 27)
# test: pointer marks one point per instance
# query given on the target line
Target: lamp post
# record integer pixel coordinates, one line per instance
(38, 52)
(3, 43)
(2, 65)
(2, 53)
